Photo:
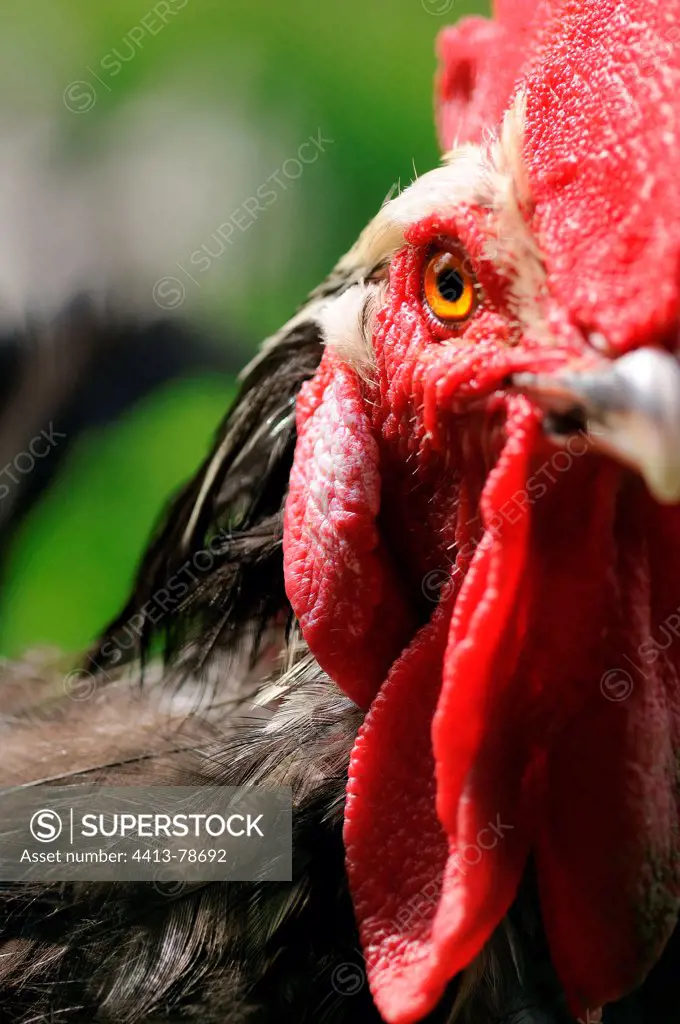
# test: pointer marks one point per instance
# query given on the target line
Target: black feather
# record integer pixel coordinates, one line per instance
(232, 509)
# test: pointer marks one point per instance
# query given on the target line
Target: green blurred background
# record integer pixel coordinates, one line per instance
(208, 99)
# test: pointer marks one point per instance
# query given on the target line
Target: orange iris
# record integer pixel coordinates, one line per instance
(449, 288)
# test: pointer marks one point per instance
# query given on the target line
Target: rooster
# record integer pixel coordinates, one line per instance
(443, 598)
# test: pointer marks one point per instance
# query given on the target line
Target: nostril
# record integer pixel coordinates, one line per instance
(565, 424)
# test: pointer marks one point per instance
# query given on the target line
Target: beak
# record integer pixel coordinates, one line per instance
(629, 409)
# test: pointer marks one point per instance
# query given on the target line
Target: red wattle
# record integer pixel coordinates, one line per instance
(340, 579)
(608, 854)
(425, 906)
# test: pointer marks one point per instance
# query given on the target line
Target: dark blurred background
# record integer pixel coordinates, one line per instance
(174, 177)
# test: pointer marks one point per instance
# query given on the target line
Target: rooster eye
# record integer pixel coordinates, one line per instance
(449, 289)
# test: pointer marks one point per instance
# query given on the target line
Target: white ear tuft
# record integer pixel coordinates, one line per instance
(347, 325)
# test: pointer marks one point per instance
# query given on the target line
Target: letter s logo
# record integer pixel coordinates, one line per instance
(45, 826)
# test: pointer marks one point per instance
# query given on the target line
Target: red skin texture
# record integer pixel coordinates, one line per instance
(480, 64)
(539, 695)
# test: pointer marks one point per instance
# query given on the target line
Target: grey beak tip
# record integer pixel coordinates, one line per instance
(632, 408)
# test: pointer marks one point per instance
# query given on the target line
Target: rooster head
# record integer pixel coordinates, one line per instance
(482, 539)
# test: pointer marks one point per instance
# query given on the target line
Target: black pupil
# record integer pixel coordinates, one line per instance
(451, 285)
